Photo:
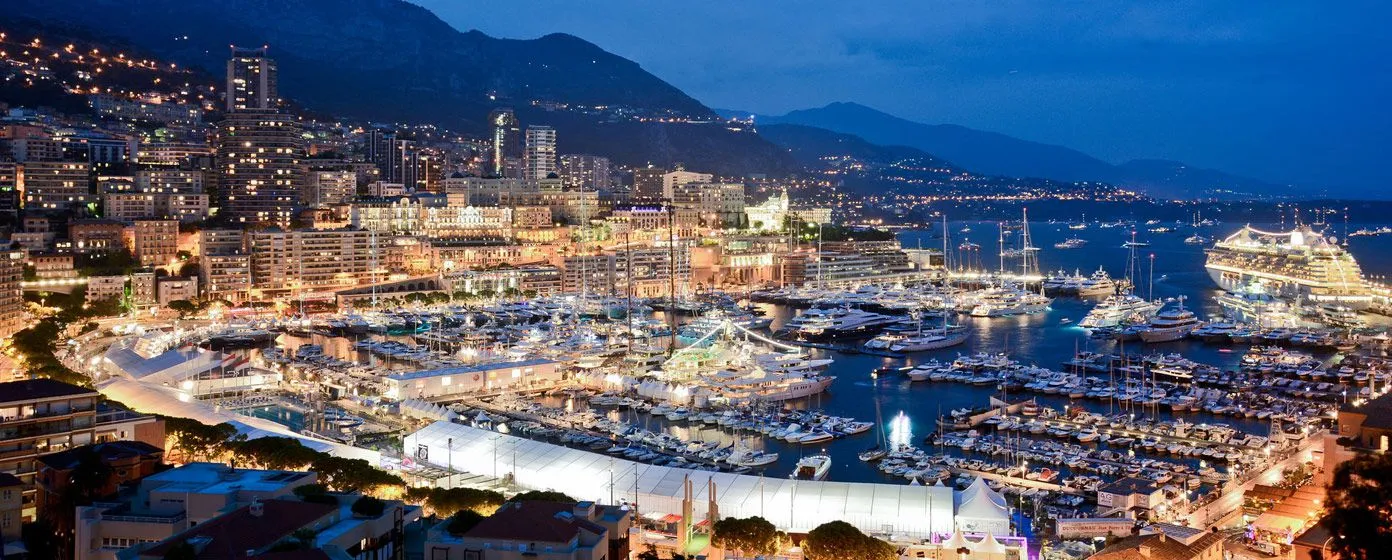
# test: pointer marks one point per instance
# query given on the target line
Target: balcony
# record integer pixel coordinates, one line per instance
(145, 517)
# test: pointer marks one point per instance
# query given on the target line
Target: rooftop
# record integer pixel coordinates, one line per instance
(461, 370)
(545, 522)
(1161, 547)
(108, 451)
(1378, 411)
(231, 535)
(213, 478)
(1129, 485)
(38, 389)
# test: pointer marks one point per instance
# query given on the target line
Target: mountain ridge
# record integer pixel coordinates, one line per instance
(994, 153)
(391, 61)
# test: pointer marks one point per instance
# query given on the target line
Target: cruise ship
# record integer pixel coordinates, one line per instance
(1300, 263)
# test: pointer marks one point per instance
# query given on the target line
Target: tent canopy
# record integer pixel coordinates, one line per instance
(791, 505)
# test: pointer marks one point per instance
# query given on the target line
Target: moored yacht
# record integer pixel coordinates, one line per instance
(813, 467)
(934, 339)
(1171, 324)
(1119, 309)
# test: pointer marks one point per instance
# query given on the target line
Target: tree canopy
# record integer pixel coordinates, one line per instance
(749, 536)
(542, 496)
(1359, 507)
(838, 539)
(446, 502)
(462, 521)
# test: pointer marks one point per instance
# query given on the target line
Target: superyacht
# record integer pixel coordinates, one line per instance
(1171, 324)
(1117, 310)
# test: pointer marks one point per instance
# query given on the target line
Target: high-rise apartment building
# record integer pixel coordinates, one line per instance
(259, 158)
(680, 177)
(302, 261)
(647, 183)
(251, 80)
(584, 172)
(156, 242)
(11, 294)
(41, 416)
(329, 187)
(54, 185)
(505, 131)
(540, 161)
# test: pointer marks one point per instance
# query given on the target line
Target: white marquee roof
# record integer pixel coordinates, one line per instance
(159, 400)
(788, 504)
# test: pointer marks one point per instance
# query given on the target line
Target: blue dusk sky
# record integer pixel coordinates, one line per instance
(1282, 91)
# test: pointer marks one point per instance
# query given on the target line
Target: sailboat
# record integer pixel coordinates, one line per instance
(880, 449)
(934, 339)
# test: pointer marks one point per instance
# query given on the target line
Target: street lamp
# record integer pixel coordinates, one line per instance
(495, 454)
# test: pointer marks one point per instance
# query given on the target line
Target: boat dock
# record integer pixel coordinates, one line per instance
(1137, 434)
(1022, 482)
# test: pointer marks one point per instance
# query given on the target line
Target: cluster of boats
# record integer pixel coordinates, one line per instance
(1195, 387)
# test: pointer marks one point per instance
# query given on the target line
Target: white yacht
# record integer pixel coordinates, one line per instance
(1115, 310)
(1171, 324)
(813, 467)
(841, 323)
(1098, 284)
(934, 339)
(1071, 243)
(1008, 302)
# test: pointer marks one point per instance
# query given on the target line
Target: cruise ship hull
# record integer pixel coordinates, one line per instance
(1231, 280)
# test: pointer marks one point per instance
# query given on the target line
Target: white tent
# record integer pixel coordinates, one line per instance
(982, 510)
(989, 547)
(791, 505)
(159, 400)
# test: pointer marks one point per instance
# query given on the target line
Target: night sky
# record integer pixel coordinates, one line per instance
(1282, 91)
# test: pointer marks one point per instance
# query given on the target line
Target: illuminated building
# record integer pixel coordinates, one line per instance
(53, 265)
(583, 172)
(540, 160)
(285, 261)
(129, 206)
(169, 181)
(674, 179)
(54, 185)
(170, 154)
(11, 294)
(504, 127)
(96, 235)
(152, 110)
(485, 191)
(175, 289)
(329, 187)
(647, 183)
(772, 214)
(251, 80)
(259, 153)
(156, 242)
(416, 215)
(718, 205)
(645, 271)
